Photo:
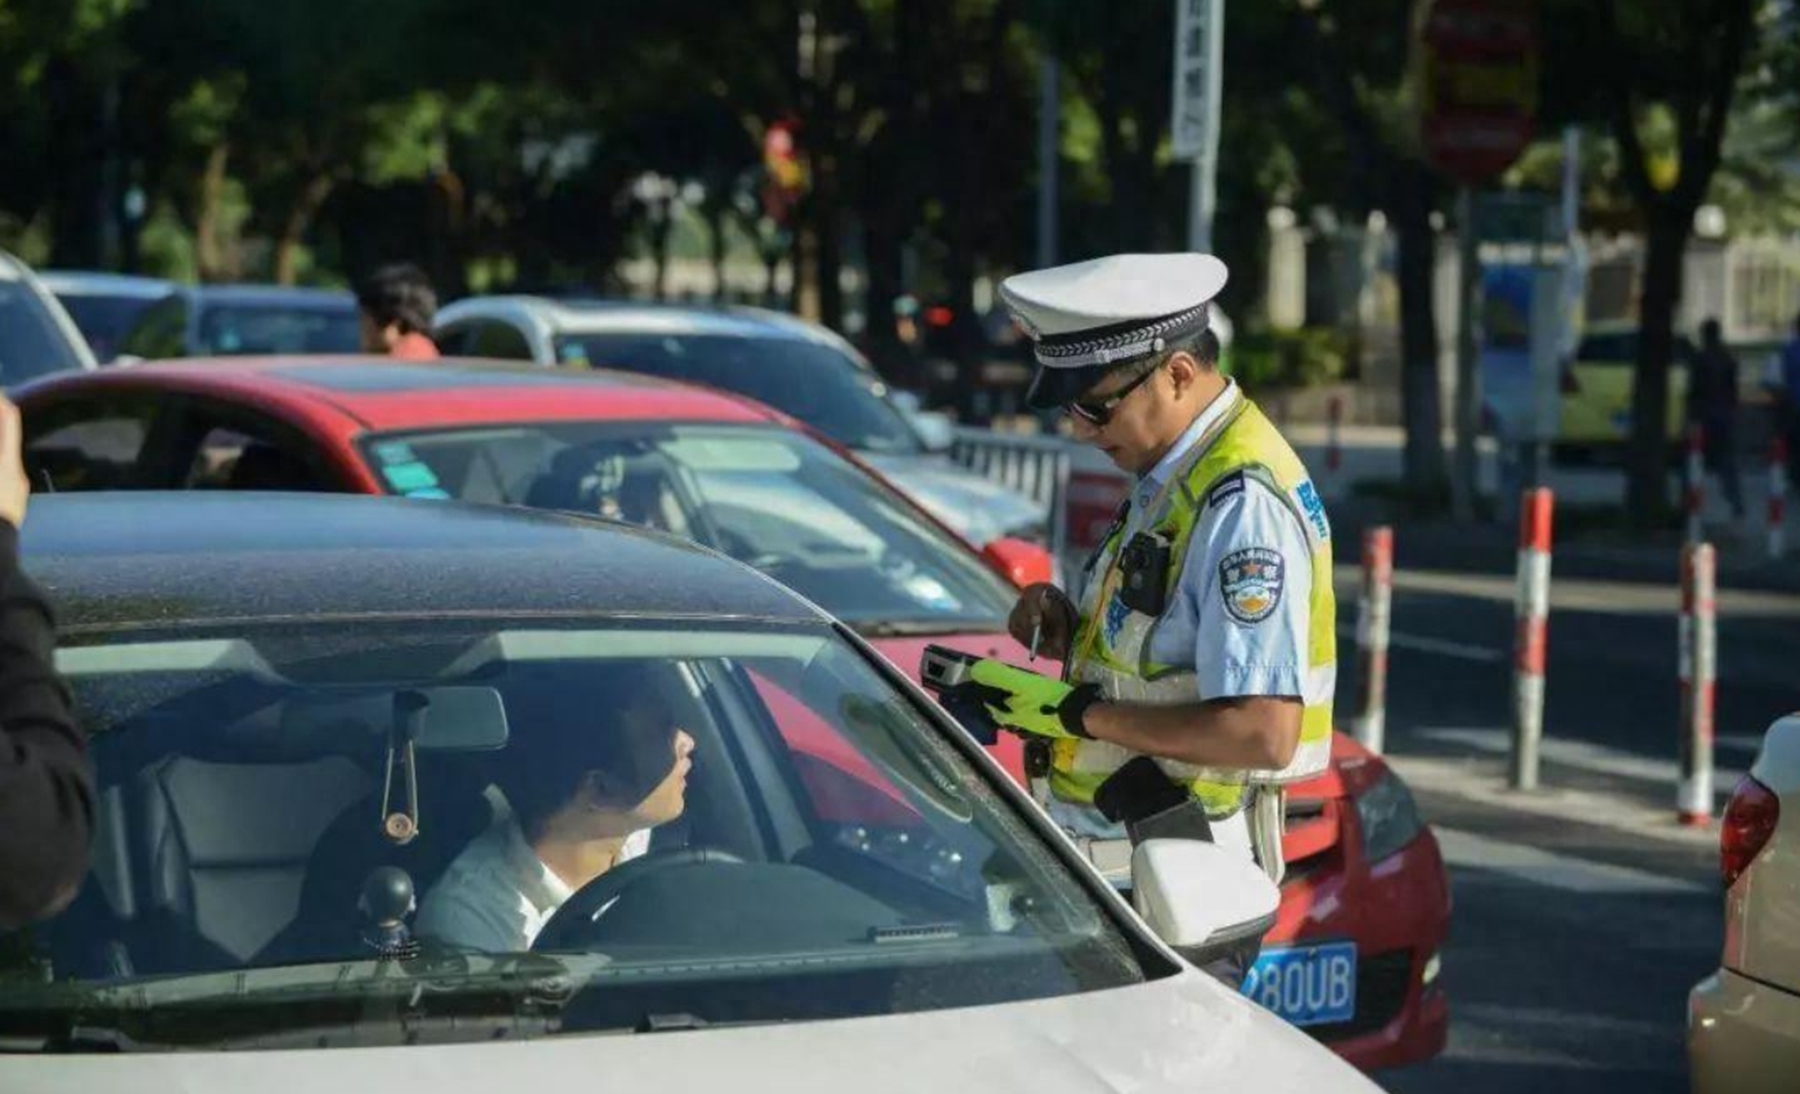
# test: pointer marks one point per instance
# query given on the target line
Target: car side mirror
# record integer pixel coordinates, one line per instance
(1023, 562)
(1200, 898)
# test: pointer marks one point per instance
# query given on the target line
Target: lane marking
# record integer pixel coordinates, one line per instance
(1425, 644)
(1483, 780)
(1582, 755)
(1536, 866)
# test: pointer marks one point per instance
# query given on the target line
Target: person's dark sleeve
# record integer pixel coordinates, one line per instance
(46, 791)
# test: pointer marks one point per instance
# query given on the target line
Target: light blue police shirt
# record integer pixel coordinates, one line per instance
(1236, 652)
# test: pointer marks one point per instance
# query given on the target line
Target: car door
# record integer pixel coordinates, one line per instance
(105, 441)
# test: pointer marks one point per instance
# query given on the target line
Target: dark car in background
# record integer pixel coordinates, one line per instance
(240, 320)
(104, 305)
(37, 337)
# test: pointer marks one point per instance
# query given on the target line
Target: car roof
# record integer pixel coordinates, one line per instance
(269, 294)
(77, 282)
(155, 560)
(12, 269)
(578, 315)
(381, 393)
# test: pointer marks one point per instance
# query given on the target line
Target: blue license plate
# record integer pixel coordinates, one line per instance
(1307, 985)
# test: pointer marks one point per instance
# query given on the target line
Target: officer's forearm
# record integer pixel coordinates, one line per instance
(1253, 731)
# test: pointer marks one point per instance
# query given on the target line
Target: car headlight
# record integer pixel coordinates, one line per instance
(1390, 819)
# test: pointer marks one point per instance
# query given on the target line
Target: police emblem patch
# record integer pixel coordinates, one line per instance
(1250, 582)
(1116, 614)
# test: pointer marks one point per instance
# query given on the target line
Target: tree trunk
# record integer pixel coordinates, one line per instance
(209, 258)
(1646, 488)
(662, 222)
(299, 219)
(1421, 387)
(717, 204)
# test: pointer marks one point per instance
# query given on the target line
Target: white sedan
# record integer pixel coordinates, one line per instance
(718, 842)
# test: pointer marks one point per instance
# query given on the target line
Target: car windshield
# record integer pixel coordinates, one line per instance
(780, 501)
(416, 830)
(231, 329)
(31, 342)
(813, 382)
(104, 319)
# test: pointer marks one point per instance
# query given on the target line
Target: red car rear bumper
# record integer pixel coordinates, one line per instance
(1397, 911)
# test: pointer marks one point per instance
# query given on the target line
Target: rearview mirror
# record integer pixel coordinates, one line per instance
(1023, 562)
(457, 719)
(1200, 898)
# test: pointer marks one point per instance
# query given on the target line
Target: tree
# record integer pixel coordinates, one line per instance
(1681, 59)
(1360, 57)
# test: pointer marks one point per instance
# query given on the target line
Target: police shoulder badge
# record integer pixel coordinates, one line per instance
(1250, 581)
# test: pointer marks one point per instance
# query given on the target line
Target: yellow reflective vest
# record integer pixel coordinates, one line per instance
(1245, 441)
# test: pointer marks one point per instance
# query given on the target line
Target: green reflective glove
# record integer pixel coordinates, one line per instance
(1029, 703)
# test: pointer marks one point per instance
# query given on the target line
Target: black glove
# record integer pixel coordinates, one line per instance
(968, 703)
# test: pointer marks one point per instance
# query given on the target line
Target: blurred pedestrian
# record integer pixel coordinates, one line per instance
(1788, 403)
(397, 305)
(1713, 406)
(46, 790)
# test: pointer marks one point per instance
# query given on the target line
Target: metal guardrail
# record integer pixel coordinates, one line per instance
(1079, 502)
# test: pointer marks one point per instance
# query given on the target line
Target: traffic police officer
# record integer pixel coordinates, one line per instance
(1205, 635)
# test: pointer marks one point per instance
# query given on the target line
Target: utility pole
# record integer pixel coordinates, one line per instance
(1199, 81)
(1468, 392)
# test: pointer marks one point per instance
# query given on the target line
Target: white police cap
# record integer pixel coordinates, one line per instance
(1089, 317)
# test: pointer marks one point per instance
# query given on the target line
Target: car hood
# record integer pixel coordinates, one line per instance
(1182, 1033)
(976, 508)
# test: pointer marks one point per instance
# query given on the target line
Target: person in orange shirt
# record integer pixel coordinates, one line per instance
(397, 304)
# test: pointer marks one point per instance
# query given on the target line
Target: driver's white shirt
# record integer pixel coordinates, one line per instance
(498, 894)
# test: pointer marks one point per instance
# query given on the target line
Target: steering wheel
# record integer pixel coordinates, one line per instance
(572, 922)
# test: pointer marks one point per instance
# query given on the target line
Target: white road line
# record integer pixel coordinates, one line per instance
(1539, 867)
(1424, 644)
(1583, 756)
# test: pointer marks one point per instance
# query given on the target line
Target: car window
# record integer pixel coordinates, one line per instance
(266, 789)
(232, 329)
(160, 332)
(238, 452)
(775, 499)
(811, 381)
(32, 343)
(454, 340)
(94, 446)
(497, 338)
(104, 320)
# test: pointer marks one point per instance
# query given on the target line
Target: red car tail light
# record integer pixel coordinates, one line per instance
(1750, 820)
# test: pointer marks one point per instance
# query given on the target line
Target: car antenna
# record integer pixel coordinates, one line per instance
(49, 483)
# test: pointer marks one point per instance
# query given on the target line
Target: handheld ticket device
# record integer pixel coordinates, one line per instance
(942, 668)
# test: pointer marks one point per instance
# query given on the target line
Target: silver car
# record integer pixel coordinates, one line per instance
(37, 337)
(796, 367)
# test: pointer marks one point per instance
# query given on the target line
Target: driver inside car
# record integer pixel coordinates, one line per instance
(585, 791)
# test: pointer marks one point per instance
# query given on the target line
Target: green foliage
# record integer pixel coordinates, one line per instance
(1262, 359)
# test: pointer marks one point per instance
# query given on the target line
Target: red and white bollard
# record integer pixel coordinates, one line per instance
(1696, 483)
(1334, 447)
(1531, 610)
(1699, 672)
(1372, 619)
(1778, 486)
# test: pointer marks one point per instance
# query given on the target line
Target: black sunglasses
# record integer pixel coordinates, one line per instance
(1098, 412)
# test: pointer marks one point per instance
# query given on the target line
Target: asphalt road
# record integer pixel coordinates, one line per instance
(1578, 927)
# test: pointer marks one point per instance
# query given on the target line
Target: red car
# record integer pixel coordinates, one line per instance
(1365, 905)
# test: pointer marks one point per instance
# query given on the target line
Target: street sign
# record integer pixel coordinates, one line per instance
(1480, 85)
(1199, 46)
